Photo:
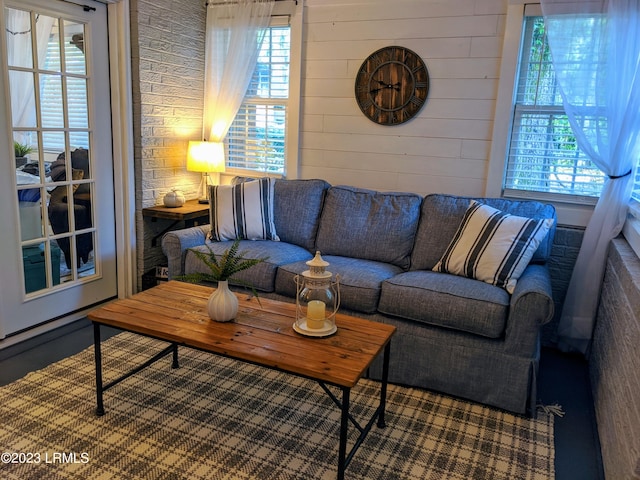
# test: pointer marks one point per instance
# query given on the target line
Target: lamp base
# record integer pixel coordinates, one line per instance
(203, 190)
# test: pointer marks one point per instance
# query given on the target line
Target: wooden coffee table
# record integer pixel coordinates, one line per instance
(261, 334)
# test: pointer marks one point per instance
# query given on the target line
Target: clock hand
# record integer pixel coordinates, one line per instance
(386, 85)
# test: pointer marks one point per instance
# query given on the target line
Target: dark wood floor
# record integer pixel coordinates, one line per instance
(563, 379)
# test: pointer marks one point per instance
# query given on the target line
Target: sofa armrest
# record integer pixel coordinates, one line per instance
(531, 307)
(177, 242)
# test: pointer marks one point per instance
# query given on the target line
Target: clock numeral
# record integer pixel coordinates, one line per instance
(417, 68)
(417, 101)
(376, 114)
(392, 118)
(364, 71)
(362, 88)
(366, 103)
(376, 60)
(421, 84)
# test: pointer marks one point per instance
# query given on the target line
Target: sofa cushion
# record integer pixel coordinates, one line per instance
(261, 276)
(296, 210)
(242, 211)
(493, 246)
(447, 301)
(369, 225)
(360, 280)
(441, 215)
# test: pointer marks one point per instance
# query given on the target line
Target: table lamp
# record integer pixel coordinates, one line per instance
(205, 157)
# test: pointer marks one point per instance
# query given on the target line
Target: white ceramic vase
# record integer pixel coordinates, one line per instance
(223, 304)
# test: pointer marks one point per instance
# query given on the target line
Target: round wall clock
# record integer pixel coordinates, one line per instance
(392, 85)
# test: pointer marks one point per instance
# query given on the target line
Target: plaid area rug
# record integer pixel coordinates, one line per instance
(216, 418)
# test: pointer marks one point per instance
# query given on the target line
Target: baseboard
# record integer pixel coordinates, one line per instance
(26, 340)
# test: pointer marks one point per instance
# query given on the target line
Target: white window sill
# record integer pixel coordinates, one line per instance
(571, 211)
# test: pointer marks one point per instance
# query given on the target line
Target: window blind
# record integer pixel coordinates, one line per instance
(257, 137)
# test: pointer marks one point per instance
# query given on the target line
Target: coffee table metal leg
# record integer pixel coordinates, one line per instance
(383, 386)
(98, 358)
(175, 363)
(344, 425)
(101, 387)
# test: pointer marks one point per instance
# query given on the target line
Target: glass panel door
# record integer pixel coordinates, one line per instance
(57, 76)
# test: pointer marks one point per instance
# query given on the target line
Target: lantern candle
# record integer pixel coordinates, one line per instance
(315, 314)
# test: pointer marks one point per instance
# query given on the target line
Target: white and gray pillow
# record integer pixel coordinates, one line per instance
(242, 211)
(493, 246)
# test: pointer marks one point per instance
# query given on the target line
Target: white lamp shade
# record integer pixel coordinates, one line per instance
(205, 157)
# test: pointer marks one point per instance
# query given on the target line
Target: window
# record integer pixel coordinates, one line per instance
(543, 155)
(257, 137)
(533, 152)
(631, 228)
(635, 195)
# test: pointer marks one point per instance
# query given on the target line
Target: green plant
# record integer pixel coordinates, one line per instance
(22, 149)
(230, 262)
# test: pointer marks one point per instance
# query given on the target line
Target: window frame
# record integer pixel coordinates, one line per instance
(631, 228)
(288, 11)
(572, 210)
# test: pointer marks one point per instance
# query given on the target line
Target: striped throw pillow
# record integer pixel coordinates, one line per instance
(242, 211)
(493, 246)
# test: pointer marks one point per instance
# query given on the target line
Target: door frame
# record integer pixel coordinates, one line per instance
(118, 18)
(123, 164)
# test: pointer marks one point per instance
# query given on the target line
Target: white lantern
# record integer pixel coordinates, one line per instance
(317, 299)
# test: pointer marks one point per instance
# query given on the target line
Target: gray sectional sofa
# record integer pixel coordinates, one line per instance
(455, 335)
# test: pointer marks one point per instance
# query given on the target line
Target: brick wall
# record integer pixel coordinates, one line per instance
(566, 245)
(168, 91)
(614, 364)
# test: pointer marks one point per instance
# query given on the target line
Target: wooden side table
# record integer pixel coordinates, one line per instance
(192, 213)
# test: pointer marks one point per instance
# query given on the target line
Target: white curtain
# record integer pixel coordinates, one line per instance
(235, 30)
(19, 54)
(596, 56)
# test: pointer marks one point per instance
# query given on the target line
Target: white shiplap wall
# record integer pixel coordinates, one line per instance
(445, 148)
